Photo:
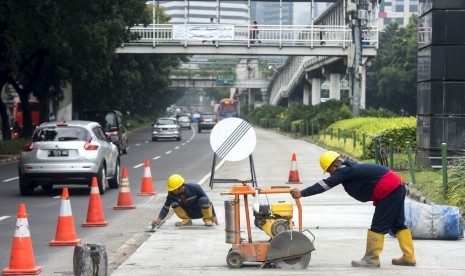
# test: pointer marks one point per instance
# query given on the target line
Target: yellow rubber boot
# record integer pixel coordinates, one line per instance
(406, 245)
(207, 215)
(375, 243)
(186, 220)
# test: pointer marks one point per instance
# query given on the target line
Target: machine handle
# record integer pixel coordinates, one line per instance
(314, 238)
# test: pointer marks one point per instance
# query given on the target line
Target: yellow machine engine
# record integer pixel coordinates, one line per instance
(276, 220)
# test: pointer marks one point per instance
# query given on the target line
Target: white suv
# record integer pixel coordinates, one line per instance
(70, 152)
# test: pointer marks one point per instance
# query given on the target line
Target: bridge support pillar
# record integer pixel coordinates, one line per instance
(251, 96)
(306, 97)
(335, 86)
(316, 91)
(265, 98)
(363, 95)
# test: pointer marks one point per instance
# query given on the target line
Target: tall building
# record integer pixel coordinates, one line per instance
(398, 11)
(228, 12)
(268, 13)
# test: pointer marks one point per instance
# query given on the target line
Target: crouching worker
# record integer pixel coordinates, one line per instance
(189, 201)
(369, 182)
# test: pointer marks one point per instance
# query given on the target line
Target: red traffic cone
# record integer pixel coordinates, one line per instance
(147, 184)
(65, 233)
(22, 255)
(294, 173)
(124, 197)
(95, 215)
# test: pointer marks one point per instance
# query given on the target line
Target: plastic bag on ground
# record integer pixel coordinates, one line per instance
(433, 221)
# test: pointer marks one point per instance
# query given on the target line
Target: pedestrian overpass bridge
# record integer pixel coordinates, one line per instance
(279, 40)
(323, 50)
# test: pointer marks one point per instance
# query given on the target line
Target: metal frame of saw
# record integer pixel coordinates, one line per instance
(252, 180)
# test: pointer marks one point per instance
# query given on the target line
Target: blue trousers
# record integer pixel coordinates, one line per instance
(389, 213)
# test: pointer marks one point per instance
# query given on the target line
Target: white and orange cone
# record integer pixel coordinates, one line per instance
(95, 215)
(22, 255)
(124, 197)
(147, 184)
(65, 233)
(294, 173)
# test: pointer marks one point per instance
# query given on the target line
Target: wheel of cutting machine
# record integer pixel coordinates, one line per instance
(234, 259)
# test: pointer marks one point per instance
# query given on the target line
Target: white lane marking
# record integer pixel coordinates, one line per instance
(183, 144)
(138, 165)
(137, 145)
(58, 196)
(4, 217)
(10, 179)
(146, 142)
(168, 152)
(207, 176)
(176, 147)
(188, 141)
(156, 157)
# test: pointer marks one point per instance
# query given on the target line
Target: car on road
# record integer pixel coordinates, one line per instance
(206, 121)
(69, 152)
(113, 123)
(184, 121)
(166, 128)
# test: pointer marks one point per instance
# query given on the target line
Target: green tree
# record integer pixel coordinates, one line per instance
(392, 78)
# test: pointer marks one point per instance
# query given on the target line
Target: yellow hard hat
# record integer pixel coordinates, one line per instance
(327, 158)
(175, 181)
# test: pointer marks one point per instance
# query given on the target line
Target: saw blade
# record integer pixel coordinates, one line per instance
(298, 262)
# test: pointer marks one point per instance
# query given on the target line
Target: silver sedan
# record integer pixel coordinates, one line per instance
(70, 152)
(166, 128)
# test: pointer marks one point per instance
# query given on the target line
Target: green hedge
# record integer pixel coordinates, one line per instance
(400, 130)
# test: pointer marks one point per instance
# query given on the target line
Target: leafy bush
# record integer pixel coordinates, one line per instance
(323, 114)
(400, 130)
(456, 186)
(380, 113)
(12, 147)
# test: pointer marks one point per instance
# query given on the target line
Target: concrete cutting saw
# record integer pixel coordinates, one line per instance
(286, 248)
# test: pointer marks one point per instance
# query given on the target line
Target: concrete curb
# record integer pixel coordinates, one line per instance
(8, 158)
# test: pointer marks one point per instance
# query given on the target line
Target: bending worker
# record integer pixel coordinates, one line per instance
(189, 201)
(366, 182)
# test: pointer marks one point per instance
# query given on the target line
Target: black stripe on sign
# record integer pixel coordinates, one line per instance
(233, 139)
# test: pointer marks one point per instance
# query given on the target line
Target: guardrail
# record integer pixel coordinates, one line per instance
(282, 35)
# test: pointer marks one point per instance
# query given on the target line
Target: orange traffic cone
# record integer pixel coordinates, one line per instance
(22, 256)
(95, 215)
(294, 173)
(66, 233)
(147, 185)
(124, 197)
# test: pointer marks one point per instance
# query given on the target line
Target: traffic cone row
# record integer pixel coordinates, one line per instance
(22, 261)
(294, 173)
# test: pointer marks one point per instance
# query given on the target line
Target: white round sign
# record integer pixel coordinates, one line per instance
(233, 139)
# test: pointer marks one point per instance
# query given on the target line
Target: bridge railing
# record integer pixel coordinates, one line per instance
(280, 35)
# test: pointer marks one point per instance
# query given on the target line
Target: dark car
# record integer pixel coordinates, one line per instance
(113, 125)
(206, 121)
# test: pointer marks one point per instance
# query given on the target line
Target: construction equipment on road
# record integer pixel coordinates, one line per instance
(286, 247)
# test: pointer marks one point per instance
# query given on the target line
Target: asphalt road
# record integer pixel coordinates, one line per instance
(192, 157)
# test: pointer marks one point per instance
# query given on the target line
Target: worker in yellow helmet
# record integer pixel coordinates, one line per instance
(189, 201)
(369, 182)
